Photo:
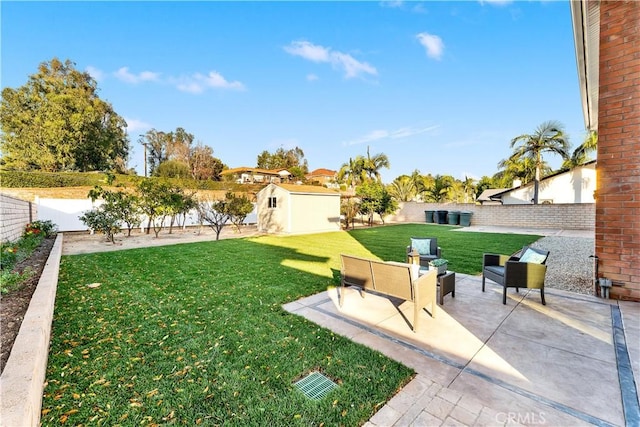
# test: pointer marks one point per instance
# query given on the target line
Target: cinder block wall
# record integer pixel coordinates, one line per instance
(15, 214)
(568, 216)
(617, 236)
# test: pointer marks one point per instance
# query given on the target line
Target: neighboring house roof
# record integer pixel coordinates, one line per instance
(242, 169)
(321, 172)
(488, 194)
(305, 189)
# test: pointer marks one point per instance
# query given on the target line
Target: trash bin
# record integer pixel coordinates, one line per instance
(465, 218)
(442, 217)
(428, 216)
(454, 216)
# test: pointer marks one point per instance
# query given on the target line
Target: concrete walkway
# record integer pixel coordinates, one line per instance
(572, 362)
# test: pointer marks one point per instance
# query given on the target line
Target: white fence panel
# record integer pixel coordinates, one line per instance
(65, 214)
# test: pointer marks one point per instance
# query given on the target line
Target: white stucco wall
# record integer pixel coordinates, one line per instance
(575, 186)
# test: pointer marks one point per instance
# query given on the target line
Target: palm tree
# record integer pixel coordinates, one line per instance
(549, 137)
(352, 172)
(581, 153)
(469, 188)
(402, 188)
(373, 164)
(516, 168)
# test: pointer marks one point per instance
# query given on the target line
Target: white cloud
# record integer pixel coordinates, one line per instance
(126, 76)
(97, 74)
(135, 125)
(339, 60)
(308, 51)
(351, 66)
(312, 77)
(432, 43)
(198, 83)
(396, 134)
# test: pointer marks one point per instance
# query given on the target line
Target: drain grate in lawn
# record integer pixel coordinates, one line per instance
(315, 385)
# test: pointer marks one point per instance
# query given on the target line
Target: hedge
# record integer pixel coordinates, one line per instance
(20, 179)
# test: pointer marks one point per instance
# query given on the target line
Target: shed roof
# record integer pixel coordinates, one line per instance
(306, 189)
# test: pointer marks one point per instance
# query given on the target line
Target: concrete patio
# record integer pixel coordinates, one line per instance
(575, 361)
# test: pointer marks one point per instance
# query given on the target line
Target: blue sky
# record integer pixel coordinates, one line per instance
(441, 87)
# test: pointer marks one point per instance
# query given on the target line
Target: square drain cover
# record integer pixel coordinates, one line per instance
(315, 385)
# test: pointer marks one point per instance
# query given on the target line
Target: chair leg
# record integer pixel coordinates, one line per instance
(542, 296)
(483, 282)
(504, 296)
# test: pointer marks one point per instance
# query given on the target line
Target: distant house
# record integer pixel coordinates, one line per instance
(487, 196)
(247, 175)
(573, 186)
(297, 209)
(325, 177)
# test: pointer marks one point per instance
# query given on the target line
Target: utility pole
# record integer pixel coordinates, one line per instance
(144, 144)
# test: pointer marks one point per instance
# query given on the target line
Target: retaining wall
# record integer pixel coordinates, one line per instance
(577, 216)
(22, 379)
(15, 214)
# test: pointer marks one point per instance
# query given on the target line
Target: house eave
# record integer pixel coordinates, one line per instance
(585, 17)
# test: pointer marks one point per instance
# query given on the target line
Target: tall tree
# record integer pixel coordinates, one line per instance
(373, 164)
(57, 122)
(352, 172)
(548, 137)
(292, 160)
(581, 153)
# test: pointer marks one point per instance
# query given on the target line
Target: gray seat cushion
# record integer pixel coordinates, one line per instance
(495, 269)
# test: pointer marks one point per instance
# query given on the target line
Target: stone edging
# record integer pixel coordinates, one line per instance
(22, 380)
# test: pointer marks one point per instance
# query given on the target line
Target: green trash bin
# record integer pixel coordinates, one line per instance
(454, 216)
(428, 216)
(441, 216)
(465, 218)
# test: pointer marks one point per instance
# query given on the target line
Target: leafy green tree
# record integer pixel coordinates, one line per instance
(152, 195)
(173, 169)
(102, 219)
(238, 207)
(292, 160)
(173, 154)
(120, 206)
(548, 137)
(374, 198)
(57, 122)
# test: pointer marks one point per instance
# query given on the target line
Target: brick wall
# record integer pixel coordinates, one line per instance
(14, 215)
(580, 216)
(617, 236)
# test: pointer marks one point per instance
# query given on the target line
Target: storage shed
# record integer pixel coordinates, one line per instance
(297, 209)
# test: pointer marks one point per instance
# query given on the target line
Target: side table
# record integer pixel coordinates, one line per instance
(447, 283)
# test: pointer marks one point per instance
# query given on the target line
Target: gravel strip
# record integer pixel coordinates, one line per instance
(569, 267)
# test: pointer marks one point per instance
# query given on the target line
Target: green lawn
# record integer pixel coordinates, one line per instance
(195, 333)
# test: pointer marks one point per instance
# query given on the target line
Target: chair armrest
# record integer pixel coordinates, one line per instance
(494, 259)
(524, 275)
(439, 252)
(425, 289)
